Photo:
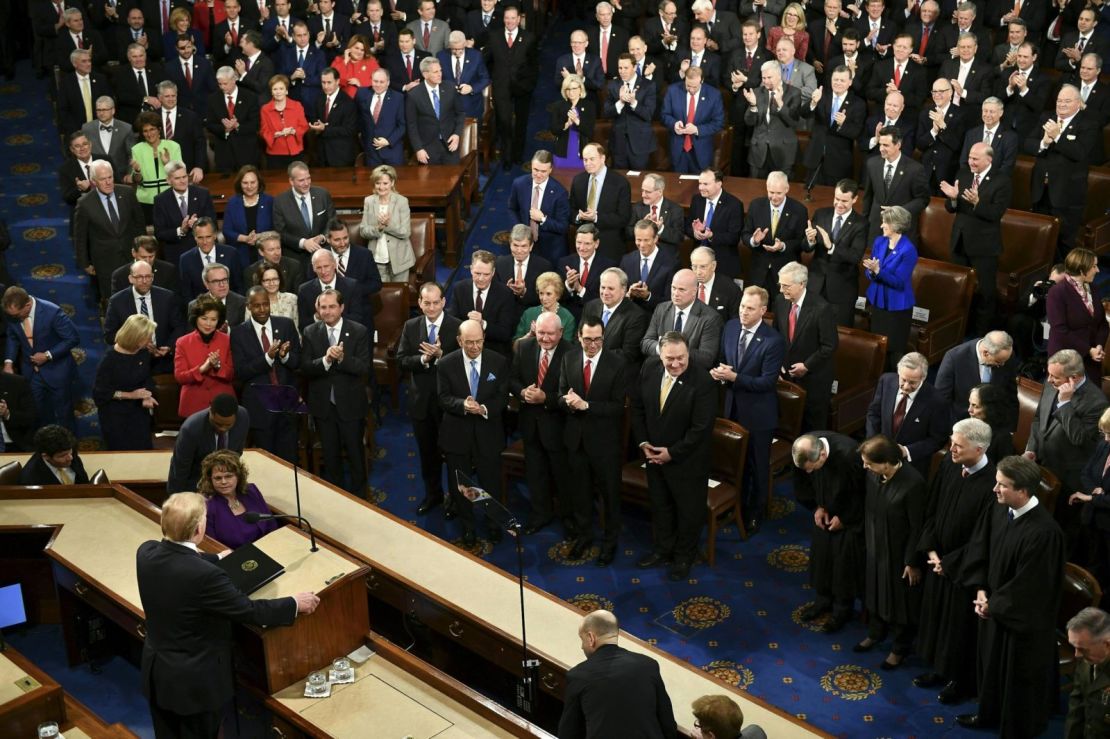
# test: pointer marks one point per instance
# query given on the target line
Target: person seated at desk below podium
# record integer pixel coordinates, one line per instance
(228, 495)
(719, 717)
(55, 461)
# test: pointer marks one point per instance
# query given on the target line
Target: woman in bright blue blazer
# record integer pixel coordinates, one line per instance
(890, 271)
(249, 212)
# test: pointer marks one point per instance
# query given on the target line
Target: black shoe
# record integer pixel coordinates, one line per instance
(431, 500)
(579, 549)
(679, 571)
(494, 535)
(752, 526)
(812, 611)
(534, 527)
(652, 559)
(973, 721)
(951, 694)
(469, 541)
(865, 646)
(886, 664)
(928, 680)
(608, 554)
(449, 513)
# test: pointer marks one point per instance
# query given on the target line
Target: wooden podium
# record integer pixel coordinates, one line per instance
(272, 659)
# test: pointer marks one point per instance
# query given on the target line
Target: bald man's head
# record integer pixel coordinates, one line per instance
(598, 629)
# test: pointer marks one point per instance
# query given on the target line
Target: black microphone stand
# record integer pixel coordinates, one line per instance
(255, 517)
(809, 183)
(284, 401)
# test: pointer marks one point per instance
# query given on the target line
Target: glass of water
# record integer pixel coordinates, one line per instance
(48, 730)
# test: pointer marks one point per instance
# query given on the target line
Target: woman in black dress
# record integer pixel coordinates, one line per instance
(987, 403)
(892, 526)
(124, 389)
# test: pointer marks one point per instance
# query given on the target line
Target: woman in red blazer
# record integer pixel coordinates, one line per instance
(202, 360)
(283, 125)
(1076, 318)
(355, 66)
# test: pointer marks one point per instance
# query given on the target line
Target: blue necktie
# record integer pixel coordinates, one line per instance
(984, 373)
(142, 306)
(709, 216)
(300, 58)
(305, 214)
(644, 270)
(435, 102)
(835, 110)
(605, 317)
(474, 378)
(432, 333)
(678, 322)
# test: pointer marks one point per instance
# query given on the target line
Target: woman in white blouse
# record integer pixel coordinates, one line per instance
(386, 228)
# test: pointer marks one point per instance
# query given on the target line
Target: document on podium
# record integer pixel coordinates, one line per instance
(250, 568)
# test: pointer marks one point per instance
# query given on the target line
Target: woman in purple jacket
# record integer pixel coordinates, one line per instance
(1076, 318)
(223, 482)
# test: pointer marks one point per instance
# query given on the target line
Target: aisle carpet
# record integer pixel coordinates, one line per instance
(738, 620)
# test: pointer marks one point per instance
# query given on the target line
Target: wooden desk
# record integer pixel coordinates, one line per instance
(456, 594)
(438, 188)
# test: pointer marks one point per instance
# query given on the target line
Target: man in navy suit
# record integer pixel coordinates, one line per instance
(582, 270)
(692, 136)
(465, 70)
(519, 269)
(403, 63)
(302, 62)
(542, 204)
(191, 264)
(775, 231)
(697, 55)
(233, 123)
(178, 210)
(328, 278)
(334, 119)
(159, 304)
(716, 220)
(434, 117)
(40, 338)
(908, 409)
(483, 299)
(751, 359)
(630, 102)
(990, 359)
(1002, 140)
(267, 352)
(582, 63)
(329, 30)
(192, 74)
(382, 116)
(182, 125)
(650, 267)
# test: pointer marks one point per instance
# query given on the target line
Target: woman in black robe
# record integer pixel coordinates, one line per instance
(988, 403)
(893, 516)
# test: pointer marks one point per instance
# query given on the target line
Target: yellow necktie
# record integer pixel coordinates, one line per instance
(67, 479)
(774, 221)
(665, 390)
(591, 196)
(86, 95)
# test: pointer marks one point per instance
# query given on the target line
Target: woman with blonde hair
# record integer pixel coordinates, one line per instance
(572, 122)
(124, 388)
(792, 26)
(386, 226)
(549, 288)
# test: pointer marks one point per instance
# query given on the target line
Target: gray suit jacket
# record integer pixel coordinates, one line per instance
(437, 39)
(701, 326)
(804, 77)
(289, 223)
(1064, 438)
(778, 134)
(119, 148)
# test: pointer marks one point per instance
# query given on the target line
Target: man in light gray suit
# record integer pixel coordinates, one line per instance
(695, 320)
(796, 73)
(106, 221)
(772, 114)
(1065, 428)
(301, 214)
(430, 32)
(111, 138)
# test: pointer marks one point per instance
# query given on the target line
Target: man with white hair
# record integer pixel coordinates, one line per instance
(774, 229)
(1004, 142)
(773, 113)
(177, 209)
(465, 70)
(906, 408)
(106, 221)
(233, 122)
(78, 91)
(607, 40)
(689, 316)
(809, 326)
(721, 26)
(989, 359)
(327, 278)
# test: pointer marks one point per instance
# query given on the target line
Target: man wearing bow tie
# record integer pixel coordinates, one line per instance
(111, 139)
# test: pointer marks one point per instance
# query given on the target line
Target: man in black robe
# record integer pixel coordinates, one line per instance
(1016, 565)
(960, 499)
(829, 480)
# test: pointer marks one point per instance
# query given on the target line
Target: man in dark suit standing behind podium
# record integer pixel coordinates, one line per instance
(190, 604)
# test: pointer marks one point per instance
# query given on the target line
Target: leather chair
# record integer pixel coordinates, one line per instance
(945, 290)
(860, 359)
(9, 473)
(167, 392)
(423, 238)
(1081, 590)
(1029, 396)
(391, 310)
(100, 477)
(468, 157)
(1030, 246)
(792, 405)
(1050, 488)
(729, 455)
(1098, 188)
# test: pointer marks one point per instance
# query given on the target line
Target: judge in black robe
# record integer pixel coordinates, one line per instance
(893, 516)
(1017, 568)
(829, 480)
(957, 505)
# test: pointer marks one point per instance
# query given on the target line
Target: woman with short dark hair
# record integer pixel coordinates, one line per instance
(202, 360)
(1076, 317)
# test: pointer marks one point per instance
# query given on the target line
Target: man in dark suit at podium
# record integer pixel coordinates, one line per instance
(190, 604)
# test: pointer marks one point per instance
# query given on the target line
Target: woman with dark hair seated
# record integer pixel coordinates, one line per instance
(988, 404)
(202, 360)
(55, 461)
(124, 388)
(223, 483)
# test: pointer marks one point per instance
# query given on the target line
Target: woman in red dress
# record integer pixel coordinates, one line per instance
(355, 67)
(202, 359)
(283, 125)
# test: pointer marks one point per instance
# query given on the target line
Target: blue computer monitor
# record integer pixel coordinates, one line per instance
(12, 611)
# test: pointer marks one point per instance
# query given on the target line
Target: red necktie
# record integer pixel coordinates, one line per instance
(586, 377)
(688, 140)
(544, 364)
(427, 36)
(80, 43)
(578, 67)
(655, 211)
(408, 67)
(377, 107)
(975, 184)
(234, 36)
(605, 52)
(792, 322)
(748, 62)
(924, 41)
(230, 107)
(377, 35)
(585, 273)
(899, 415)
(897, 75)
(266, 348)
(701, 292)
(169, 126)
(327, 107)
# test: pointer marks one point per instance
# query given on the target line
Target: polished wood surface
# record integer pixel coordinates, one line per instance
(24, 705)
(439, 188)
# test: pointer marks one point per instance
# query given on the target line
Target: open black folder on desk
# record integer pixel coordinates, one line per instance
(250, 568)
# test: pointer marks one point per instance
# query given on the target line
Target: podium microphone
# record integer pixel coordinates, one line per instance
(255, 517)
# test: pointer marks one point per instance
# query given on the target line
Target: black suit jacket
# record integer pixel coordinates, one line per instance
(167, 219)
(791, 231)
(23, 419)
(979, 84)
(90, 39)
(727, 227)
(908, 188)
(979, 226)
(165, 276)
(398, 72)
(195, 96)
(239, 147)
(914, 85)
(815, 341)
(1064, 163)
(905, 124)
(832, 146)
(542, 422)
(835, 276)
(36, 471)
(499, 311)
(354, 305)
(1005, 142)
(673, 217)
(614, 203)
(627, 325)
(467, 433)
(926, 424)
(959, 373)
(1064, 438)
(505, 270)
(130, 96)
(188, 132)
(190, 604)
(423, 397)
(346, 379)
(684, 425)
(289, 223)
(618, 44)
(598, 428)
(336, 145)
(1024, 111)
(195, 441)
(165, 311)
(616, 692)
(724, 298)
(573, 302)
(257, 78)
(427, 132)
(939, 154)
(191, 271)
(252, 368)
(71, 106)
